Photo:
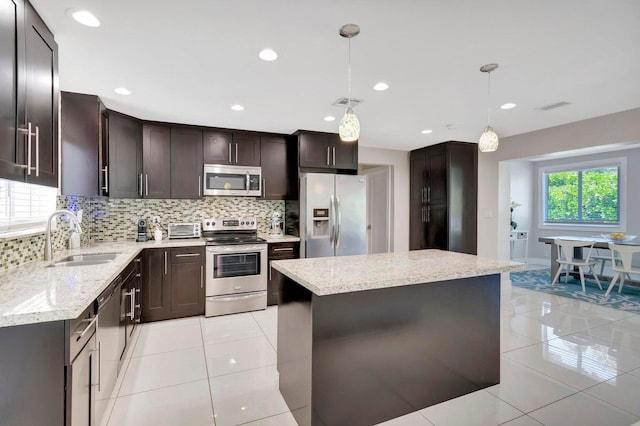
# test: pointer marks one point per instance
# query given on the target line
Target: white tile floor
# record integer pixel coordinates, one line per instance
(564, 362)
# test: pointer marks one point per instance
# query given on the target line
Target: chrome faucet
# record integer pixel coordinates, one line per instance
(48, 251)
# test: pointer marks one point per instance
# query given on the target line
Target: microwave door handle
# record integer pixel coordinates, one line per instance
(248, 181)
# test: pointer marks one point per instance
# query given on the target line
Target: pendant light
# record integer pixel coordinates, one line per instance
(349, 128)
(488, 139)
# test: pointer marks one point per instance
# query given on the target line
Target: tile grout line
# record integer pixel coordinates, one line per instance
(206, 366)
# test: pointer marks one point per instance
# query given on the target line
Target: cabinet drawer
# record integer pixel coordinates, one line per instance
(290, 250)
(187, 254)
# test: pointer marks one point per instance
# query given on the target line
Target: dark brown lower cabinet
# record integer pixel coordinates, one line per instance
(172, 283)
(187, 281)
(279, 251)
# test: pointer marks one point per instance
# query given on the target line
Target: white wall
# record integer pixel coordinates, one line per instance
(522, 193)
(493, 210)
(399, 160)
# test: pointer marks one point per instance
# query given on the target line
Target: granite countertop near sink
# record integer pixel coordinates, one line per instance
(334, 275)
(34, 292)
(286, 238)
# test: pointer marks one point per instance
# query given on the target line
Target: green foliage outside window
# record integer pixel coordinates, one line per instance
(588, 196)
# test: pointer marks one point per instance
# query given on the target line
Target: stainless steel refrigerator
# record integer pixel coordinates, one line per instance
(333, 215)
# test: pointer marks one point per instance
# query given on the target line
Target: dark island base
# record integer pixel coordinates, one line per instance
(365, 357)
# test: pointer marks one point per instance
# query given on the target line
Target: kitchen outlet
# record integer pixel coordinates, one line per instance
(155, 220)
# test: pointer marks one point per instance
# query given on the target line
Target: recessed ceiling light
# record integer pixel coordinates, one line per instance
(122, 91)
(237, 107)
(85, 18)
(268, 55)
(426, 131)
(508, 105)
(380, 86)
(329, 118)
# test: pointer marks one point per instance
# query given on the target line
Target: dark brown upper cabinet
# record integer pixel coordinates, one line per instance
(276, 173)
(443, 197)
(231, 148)
(326, 151)
(186, 162)
(81, 139)
(29, 96)
(121, 157)
(156, 161)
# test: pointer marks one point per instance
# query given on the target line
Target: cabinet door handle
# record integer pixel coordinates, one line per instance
(199, 185)
(283, 249)
(165, 262)
(106, 179)
(140, 187)
(270, 269)
(99, 364)
(188, 255)
(428, 214)
(229, 152)
(328, 154)
(264, 188)
(424, 218)
(37, 151)
(428, 194)
(146, 185)
(201, 276)
(87, 328)
(236, 153)
(132, 313)
(29, 134)
(333, 149)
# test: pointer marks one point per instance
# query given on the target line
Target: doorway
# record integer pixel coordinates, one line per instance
(379, 208)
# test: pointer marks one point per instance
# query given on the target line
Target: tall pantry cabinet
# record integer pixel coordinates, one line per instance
(444, 197)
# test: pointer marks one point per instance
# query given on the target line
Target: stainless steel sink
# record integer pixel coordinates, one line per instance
(85, 259)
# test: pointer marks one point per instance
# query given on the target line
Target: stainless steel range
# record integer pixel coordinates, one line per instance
(236, 266)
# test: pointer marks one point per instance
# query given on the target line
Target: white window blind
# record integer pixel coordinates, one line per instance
(24, 206)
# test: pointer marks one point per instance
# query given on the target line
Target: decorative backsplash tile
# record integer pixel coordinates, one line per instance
(106, 219)
(117, 219)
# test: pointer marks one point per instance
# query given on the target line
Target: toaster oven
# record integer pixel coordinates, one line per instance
(184, 230)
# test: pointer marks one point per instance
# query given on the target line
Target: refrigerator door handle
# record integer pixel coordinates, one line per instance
(332, 233)
(338, 221)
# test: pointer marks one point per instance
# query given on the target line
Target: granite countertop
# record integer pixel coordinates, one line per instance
(34, 293)
(286, 238)
(334, 275)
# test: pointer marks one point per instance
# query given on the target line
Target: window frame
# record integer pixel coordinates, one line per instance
(620, 162)
(21, 227)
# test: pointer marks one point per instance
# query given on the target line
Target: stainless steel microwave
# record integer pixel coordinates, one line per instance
(237, 181)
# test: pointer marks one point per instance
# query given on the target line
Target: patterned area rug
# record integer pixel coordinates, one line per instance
(540, 280)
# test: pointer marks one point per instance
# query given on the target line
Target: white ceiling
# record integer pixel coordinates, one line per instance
(188, 62)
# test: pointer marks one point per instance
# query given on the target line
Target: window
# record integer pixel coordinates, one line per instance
(583, 194)
(24, 206)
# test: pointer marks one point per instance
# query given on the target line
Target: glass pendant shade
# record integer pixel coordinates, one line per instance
(488, 140)
(349, 128)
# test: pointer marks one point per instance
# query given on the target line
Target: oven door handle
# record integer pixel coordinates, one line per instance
(235, 298)
(236, 249)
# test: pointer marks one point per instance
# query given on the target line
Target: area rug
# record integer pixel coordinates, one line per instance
(540, 280)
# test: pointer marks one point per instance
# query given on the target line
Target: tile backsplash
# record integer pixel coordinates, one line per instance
(117, 219)
(107, 219)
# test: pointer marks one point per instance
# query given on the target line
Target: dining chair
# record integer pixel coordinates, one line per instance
(567, 261)
(621, 258)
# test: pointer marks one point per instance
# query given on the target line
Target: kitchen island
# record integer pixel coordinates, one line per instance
(364, 339)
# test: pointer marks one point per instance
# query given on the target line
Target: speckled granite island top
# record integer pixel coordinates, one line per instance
(34, 293)
(334, 275)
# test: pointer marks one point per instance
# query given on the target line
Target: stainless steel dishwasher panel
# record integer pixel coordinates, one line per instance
(108, 340)
(83, 369)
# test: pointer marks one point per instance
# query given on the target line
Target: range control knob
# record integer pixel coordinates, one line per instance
(242, 223)
(252, 222)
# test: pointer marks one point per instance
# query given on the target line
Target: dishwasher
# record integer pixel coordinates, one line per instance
(108, 341)
(82, 372)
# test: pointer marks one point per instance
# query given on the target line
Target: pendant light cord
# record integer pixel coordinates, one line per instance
(349, 76)
(489, 100)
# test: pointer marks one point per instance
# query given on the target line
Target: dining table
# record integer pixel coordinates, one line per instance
(598, 242)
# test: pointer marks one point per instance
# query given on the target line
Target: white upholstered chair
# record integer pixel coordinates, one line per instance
(621, 258)
(567, 261)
